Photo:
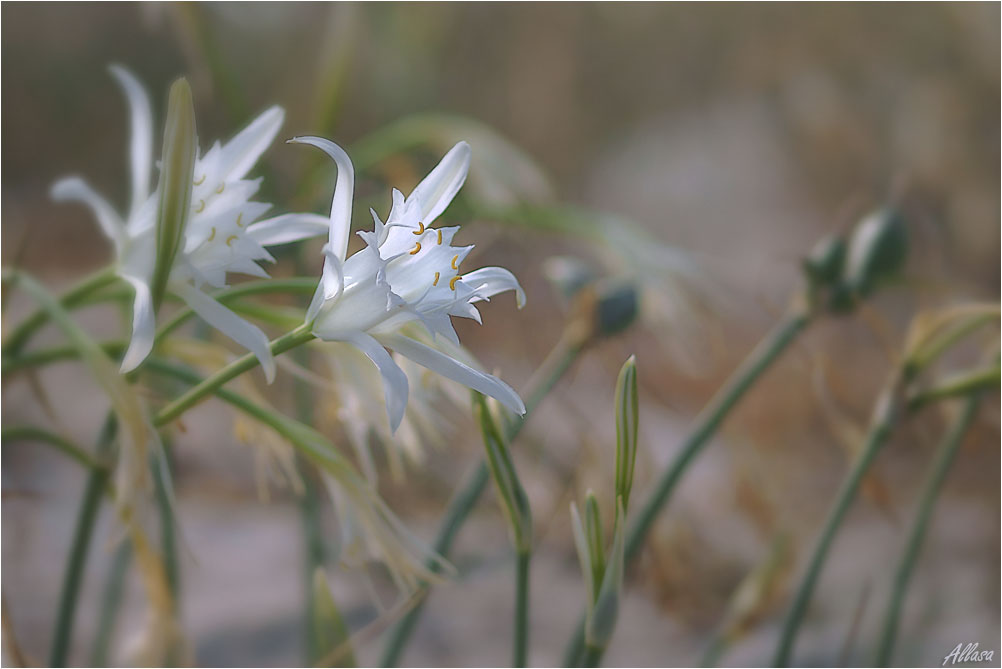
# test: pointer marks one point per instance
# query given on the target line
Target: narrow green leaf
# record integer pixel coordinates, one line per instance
(602, 622)
(626, 428)
(330, 629)
(596, 541)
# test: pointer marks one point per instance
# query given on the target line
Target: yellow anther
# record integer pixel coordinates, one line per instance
(239, 217)
(231, 239)
(220, 188)
(199, 182)
(435, 282)
(452, 282)
(212, 235)
(201, 207)
(439, 237)
(417, 248)
(419, 231)
(454, 259)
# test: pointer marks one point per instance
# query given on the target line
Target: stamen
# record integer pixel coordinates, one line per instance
(439, 237)
(221, 187)
(231, 239)
(454, 259)
(212, 235)
(419, 231)
(417, 248)
(435, 282)
(201, 207)
(240, 216)
(452, 282)
(199, 182)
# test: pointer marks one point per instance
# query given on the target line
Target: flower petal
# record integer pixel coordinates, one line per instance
(340, 220)
(75, 189)
(395, 386)
(288, 228)
(141, 146)
(215, 314)
(238, 155)
(450, 368)
(436, 190)
(487, 282)
(143, 325)
(332, 277)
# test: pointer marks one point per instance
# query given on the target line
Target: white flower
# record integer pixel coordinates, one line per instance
(407, 271)
(223, 233)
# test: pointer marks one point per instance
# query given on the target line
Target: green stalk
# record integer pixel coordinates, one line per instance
(16, 340)
(168, 543)
(521, 647)
(592, 656)
(945, 456)
(959, 385)
(759, 360)
(111, 601)
(63, 445)
(97, 481)
(288, 341)
(880, 430)
(553, 368)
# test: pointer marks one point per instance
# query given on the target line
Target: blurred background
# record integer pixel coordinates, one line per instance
(711, 146)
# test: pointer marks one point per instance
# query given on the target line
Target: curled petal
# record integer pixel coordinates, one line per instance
(487, 282)
(238, 155)
(436, 190)
(395, 385)
(143, 325)
(333, 275)
(75, 189)
(288, 228)
(141, 147)
(340, 220)
(450, 368)
(215, 314)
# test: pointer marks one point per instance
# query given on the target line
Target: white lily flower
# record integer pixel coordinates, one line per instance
(407, 271)
(223, 233)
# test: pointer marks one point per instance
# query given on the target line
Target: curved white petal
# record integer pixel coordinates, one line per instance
(316, 303)
(288, 228)
(143, 325)
(141, 146)
(450, 368)
(238, 155)
(487, 282)
(395, 386)
(436, 190)
(344, 186)
(332, 277)
(75, 189)
(215, 314)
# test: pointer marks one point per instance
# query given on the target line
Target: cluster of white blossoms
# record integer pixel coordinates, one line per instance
(408, 271)
(223, 233)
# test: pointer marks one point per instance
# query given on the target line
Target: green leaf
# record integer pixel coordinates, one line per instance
(330, 630)
(626, 429)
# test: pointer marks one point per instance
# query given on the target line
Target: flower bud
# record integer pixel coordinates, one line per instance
(514, 501)
(176, 174)
(626, 428)
(823, 265)
(877, 250)
(616, 307)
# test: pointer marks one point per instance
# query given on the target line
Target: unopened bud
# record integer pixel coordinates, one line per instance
(823, 265)
(877, 250)
(626, 428)
(176, 173)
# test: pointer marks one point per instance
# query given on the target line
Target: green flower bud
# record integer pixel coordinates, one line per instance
(626, 428)
(877, 250)
(616, 307)
(823, 265)
(514, 501)
(176, 173)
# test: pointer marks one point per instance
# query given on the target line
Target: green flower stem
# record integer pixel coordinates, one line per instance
(63, 445)
(962, 384)
(760, 359)
(16, 340)
(521, 647)
(884, 417)
(592, 656)
(97, 482)
(111, 601)
(553, 368)
(288, 341)
(945, 456)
